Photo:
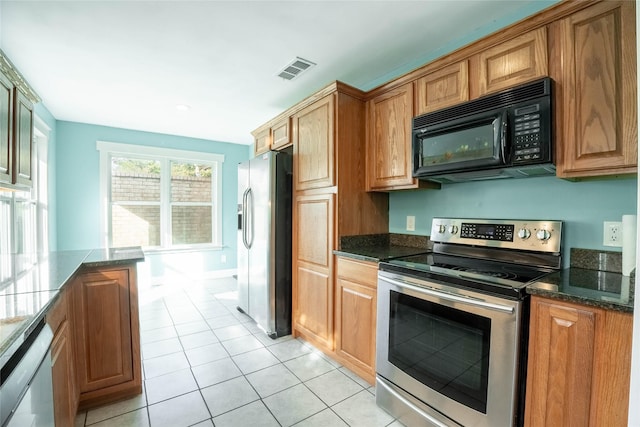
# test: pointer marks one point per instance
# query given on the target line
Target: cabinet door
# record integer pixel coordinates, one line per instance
(23, 137)
(561, 360)
(389, 140)
(443, 88)
(313, 268)
(6, 130)
(262, 143)
(516, 61)
(281, 134)
(103, 329)
(356, 287)
(62, 363)
(598, 126)
(314, 145)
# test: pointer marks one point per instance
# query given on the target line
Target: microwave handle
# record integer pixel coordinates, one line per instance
(504, 127)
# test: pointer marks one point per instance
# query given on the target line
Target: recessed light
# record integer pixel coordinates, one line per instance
(183, 107)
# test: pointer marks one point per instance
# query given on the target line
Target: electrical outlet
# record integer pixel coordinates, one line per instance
(223, 259)
(411, 223)
(612, 234)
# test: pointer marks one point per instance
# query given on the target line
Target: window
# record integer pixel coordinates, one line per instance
(160, 198)
(23, 214)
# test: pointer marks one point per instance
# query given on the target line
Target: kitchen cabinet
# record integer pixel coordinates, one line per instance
(314, 145)
(313, 272)
(389, 153)
(330, 201)
(355, 316)
(281, 134)
(16, 135)
(65, 394)
(594, 66)
(6, 130)
(23, 140)
(513, 62)
(106, 334)
(579, 365)
(442, 88)
(262, 141)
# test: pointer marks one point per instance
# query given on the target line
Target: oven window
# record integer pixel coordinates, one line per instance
(460, 145)
(444, 348)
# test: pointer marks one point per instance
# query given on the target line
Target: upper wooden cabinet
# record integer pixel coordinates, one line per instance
(443, 88)
(262, 141)
(281, 134)
(595, 71)
(389, 139)
(314, 145)
(6, 130)
(579, 365)
(16, 135)
(16, 127)
(23, 128)
(513, 62)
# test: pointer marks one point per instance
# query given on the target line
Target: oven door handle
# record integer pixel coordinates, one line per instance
(410, 404)
(451, 297)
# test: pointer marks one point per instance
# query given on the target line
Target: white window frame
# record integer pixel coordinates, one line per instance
(108, 150)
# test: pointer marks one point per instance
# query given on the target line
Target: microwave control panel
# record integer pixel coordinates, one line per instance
(531, 132)
(526, 142)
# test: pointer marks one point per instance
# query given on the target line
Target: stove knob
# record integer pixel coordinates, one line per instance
(524, 233)
(453, 229)
(543, 235)
(442, 228)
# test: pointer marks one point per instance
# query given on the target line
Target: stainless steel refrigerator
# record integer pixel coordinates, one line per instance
(264, 241)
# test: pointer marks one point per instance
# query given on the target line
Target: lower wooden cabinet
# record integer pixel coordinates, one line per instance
(106, 335)
(579, 365)
(65, 393)
(313, 269)
(355, 312)
(95, 353)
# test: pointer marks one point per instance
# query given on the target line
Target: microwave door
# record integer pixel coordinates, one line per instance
(464, 145)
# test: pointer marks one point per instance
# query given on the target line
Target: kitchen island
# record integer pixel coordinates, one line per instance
(89, 300)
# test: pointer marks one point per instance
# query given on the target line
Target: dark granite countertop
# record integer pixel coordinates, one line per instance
(30, 284)
(587, 282)
(382, 247)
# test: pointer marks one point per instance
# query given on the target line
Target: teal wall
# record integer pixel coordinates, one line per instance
(78, 191)
(583, 206)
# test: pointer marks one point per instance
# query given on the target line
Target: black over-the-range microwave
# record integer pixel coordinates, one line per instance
(503, 135)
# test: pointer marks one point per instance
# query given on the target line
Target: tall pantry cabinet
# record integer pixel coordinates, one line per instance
(329, 201)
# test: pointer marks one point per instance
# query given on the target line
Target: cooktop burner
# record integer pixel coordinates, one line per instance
(497, 274)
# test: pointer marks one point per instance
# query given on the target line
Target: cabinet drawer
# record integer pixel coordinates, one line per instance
(359, 271)
(59, 312)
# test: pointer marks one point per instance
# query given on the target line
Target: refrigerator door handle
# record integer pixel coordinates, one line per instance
(244, 218)
(249, 227)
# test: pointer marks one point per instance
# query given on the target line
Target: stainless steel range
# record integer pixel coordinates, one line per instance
(453, 324)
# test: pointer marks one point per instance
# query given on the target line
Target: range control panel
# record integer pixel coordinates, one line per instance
(531, 235)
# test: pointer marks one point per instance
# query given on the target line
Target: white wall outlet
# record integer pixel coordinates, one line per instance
(223, 259)
(411, 223)
(612, 234)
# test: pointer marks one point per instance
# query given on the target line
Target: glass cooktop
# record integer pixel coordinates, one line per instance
(501, 274)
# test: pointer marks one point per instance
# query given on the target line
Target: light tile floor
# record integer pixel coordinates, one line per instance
(206, 364)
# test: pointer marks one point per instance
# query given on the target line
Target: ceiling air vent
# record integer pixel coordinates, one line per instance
(295, 68)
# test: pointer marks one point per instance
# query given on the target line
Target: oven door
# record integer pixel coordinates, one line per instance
(467, 144)
(452, 350)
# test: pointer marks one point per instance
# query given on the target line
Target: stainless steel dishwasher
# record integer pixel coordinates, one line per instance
(26, 390)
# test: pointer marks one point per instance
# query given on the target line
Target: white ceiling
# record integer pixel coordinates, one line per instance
(127, 64)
